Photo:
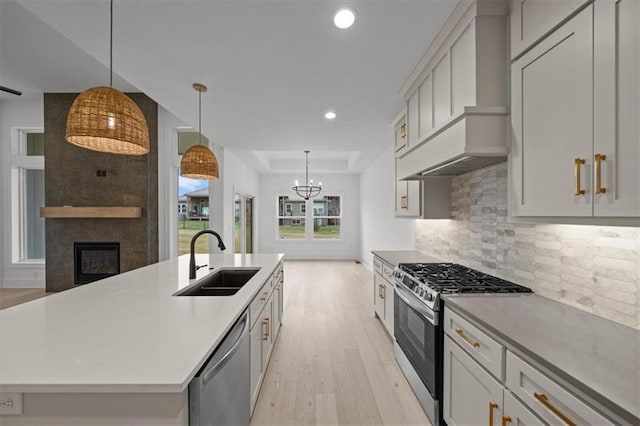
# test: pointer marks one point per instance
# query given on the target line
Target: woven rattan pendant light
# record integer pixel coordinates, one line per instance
(199, 162)
(106, 120)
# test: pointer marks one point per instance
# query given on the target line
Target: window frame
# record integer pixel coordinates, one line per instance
(20, 162)
(307, 214)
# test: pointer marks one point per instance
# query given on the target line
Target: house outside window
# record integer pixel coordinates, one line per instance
(291, 226)
(321, 221)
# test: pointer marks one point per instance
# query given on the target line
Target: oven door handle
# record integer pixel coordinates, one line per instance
(416, 306)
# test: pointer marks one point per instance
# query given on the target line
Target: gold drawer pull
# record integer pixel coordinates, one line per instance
(599, 159)
(460, 333)
(492, 406)
(505, 420)
(266, 334)
(381, 291)
(545, 401)
(264, 296)
(403, 131)
(576, 169)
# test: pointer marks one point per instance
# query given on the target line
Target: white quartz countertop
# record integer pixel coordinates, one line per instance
(126, 333)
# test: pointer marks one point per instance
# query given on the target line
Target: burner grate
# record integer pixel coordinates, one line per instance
(451, 278)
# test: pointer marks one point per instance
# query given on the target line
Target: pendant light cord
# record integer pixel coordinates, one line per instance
(199, 117)
(111, 46)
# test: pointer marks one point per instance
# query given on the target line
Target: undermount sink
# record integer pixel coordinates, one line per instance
(221, 282)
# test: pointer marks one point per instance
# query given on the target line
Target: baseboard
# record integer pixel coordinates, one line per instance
(8, 283)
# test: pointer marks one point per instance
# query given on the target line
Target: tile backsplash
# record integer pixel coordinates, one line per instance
(594, 268)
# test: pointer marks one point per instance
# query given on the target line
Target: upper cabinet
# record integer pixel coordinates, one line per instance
(531, 20)
(575, 115)
(457, 116)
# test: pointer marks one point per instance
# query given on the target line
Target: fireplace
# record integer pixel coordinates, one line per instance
(94, 261)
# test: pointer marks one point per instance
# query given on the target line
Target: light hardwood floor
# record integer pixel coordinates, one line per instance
(333, 362)
(15, 296)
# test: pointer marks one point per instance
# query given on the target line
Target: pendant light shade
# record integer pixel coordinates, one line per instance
(106, 120)
(199, 162)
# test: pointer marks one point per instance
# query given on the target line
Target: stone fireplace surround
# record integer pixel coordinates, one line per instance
(71, 179)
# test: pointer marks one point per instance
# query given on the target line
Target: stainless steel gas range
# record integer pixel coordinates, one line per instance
(418, 328)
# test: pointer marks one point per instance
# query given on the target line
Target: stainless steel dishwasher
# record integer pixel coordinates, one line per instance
(220, 393)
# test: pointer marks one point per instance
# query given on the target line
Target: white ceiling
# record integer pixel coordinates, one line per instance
(273, 67)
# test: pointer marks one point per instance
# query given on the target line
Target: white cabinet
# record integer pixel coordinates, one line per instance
(408, 193)
(471, 395)
(412, 120)
(546, 398)
(575, 118)
(533, 19)
(552, 104)
(266, 315)
(498, 387)
(617, 108)
(383, 289)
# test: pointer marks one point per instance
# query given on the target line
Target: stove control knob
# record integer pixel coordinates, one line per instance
(428, 296)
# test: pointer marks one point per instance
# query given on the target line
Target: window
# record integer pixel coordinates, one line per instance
(289, 227)
(323, 221)
(194, 210)
(27, 196)
(326, 217)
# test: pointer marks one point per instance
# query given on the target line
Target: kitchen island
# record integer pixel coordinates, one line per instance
(121, 350)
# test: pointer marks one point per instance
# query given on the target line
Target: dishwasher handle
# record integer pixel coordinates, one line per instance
(213, 370)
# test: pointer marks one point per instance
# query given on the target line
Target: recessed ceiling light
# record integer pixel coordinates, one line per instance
(330, 115)
(344, 18)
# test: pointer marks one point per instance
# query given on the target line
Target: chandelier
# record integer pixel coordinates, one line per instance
(104, 119)
(199, 162)
(308, 190)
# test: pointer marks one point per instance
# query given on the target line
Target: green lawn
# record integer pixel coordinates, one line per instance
(186, 230)
(297, 232)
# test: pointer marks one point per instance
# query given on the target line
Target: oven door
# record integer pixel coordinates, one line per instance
(415, 330)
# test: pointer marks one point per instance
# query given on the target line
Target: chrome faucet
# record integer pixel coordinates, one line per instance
(192, 259)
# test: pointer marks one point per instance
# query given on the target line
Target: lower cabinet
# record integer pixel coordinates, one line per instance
(471, 395)
(265, 326)
(383, 289)
(474, 396)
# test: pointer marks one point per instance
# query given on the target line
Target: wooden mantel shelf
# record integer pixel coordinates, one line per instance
(69, 212)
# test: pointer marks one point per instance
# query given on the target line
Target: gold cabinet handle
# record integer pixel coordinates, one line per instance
(576, 170)
(542, 398)
(505, 420)
(382, 292)
(492, 406)
(265, 336)
(599, 159)
(264, 296)
(460, 333)
(403, 131)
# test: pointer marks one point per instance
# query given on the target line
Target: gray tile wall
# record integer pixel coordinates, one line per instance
(70, 179)
(594, 268)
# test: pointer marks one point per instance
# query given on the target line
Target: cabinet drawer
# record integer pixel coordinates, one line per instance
(546, 398)
(259, 301)
(377, 265)
(387, 273)
(479, 345)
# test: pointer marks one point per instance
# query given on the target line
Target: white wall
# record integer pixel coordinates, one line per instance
(380, 229)
(348, 247)
(238, 177)
(24, 112)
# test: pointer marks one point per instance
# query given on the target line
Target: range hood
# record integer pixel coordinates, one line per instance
(476, 138)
